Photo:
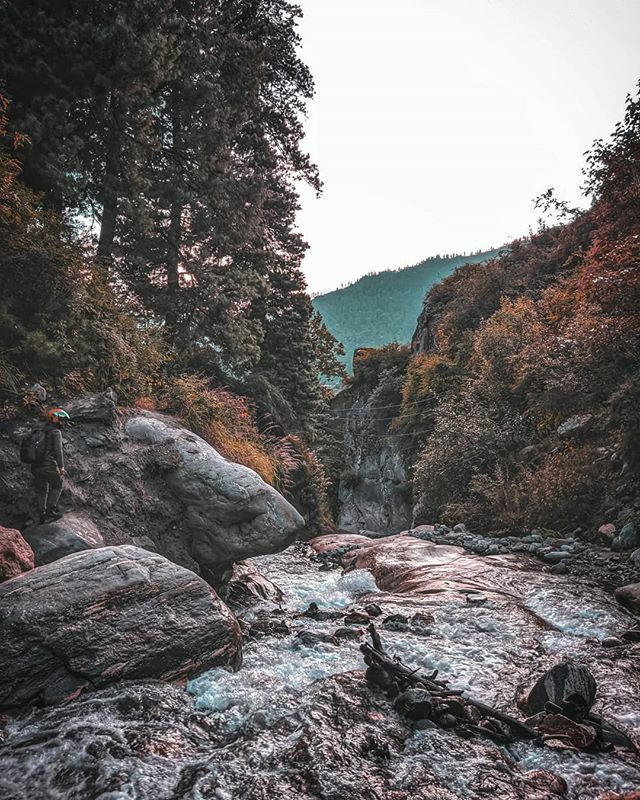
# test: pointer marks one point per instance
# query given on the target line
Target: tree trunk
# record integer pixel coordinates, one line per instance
(175, 236)
(112, 180)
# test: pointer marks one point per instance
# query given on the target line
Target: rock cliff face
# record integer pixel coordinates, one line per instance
(141, 478)
(423, 337)
(373, 491)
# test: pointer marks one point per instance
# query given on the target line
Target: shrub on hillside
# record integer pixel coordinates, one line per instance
(369, 363)
(223, 419)
(469, 438)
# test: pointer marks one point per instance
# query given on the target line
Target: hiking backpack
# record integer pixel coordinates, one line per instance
(33, 447)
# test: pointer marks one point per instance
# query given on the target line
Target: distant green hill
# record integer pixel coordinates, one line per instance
(383, 307)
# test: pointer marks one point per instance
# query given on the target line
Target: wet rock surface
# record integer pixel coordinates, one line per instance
(143, 478)
(343, 741)
(565, 555)
(247, 585)
(105, 615)
(300, 721)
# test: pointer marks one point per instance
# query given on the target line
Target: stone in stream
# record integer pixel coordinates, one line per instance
(556, 555)
(71, 534)
(414, 703)
(607, 533)
(629, 596)
(396, 622)
(373, 610)
(348, 634)
(246, 586)
(627, 539)
(476, 599)
(106, 615)
(321, 615)
(16, 556)
(612, 641)
(356, 618)
(311, 638)
(568, 685)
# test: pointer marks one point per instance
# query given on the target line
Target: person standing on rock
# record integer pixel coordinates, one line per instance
(48, 468)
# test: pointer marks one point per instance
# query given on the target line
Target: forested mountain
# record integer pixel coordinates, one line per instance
(383, 307)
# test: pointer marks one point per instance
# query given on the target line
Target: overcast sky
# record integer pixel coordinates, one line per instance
(435, 122)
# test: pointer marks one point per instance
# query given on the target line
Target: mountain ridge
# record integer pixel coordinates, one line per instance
(382, 307)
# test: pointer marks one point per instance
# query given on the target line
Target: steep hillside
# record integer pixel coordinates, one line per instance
(518, 407)
(383, 307)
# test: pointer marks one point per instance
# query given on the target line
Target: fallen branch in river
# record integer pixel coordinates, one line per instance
(422, 696)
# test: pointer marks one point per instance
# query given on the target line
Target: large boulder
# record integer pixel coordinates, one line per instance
(106, 615)
(230, 512)
(569, 685)
(71, 534)
(16, 556)
(143, 478)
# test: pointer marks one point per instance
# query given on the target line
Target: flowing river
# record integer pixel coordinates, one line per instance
(489, 651)
(298, 720)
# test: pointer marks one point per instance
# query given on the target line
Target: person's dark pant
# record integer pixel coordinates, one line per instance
(48, 484)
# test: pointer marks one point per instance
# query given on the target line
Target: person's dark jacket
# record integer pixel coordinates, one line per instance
(53, 450)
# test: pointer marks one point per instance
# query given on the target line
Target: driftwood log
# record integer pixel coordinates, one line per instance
(422, 696)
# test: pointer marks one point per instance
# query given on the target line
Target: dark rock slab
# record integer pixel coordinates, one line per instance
(107, 615)
(93, 408)
(71, 534)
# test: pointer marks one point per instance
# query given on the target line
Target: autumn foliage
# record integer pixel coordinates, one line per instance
(548, 331)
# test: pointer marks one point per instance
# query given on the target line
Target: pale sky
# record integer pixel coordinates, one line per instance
(436, 122)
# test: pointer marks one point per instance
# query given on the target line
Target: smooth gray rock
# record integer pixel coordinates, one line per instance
(153, 481)
(71, 534)
(556, 555)
(106, 615)
(574, 425)
(229, 511)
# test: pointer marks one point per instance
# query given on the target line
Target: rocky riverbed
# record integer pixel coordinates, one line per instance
(299, 720)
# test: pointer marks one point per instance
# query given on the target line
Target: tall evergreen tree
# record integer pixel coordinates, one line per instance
(177, 124)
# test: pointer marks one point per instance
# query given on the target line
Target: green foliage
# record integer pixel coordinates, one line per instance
(304, 481)
(178, 127)
(382, 307)
(369, 363)
(60, 322)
